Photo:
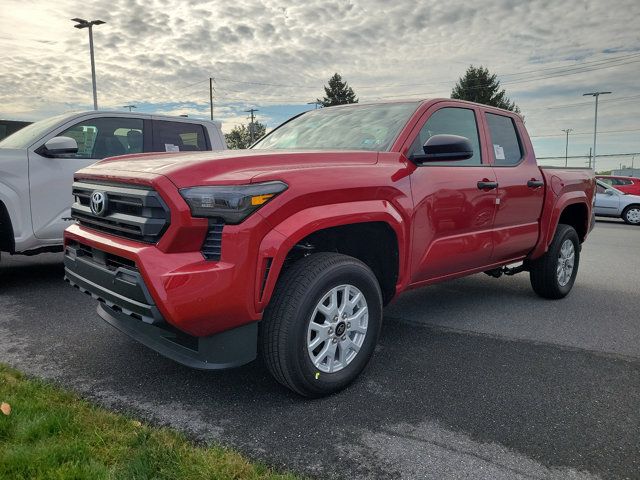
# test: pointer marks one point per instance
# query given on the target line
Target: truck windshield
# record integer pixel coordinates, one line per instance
(353, 127)
(24, 137)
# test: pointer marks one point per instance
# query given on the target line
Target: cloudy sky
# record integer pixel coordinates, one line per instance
(276, 55)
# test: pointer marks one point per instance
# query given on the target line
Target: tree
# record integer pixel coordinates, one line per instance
(478, 85)
(240, 136)
(338, 93)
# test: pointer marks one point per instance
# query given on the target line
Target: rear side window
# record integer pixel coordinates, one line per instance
(504, 137)
(450, 121)
(178, 137)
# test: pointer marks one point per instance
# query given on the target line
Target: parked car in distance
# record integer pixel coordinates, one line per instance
(37, 164)
(611, 202)
(292, 248)
(629, 185)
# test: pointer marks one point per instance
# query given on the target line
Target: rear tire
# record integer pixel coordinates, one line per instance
(631, 215)
(322, 324)
(552, 275)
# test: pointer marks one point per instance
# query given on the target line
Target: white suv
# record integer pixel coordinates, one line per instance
(37, 165)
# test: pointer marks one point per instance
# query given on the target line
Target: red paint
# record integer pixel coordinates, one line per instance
(445, 226)
(630, 185)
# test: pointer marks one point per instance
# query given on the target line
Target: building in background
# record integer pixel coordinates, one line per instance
(7, 127)
(626, 172)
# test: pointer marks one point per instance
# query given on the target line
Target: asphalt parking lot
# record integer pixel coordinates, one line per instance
(475, 378)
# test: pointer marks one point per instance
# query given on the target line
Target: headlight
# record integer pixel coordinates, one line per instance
(232, 203)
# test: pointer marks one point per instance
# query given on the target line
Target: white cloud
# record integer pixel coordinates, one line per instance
(153, 52)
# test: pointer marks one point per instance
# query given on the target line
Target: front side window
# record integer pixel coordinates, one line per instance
(450, 121)
(102, 137)
(178, 137)
(621, 181)
(507, 150)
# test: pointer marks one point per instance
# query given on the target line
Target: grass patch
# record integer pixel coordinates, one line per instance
(51, 433)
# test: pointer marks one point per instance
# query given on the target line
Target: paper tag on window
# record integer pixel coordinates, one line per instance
(499, 152)
(170, 147)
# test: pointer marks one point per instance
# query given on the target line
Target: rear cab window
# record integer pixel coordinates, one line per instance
(506, 146)
(178, 136)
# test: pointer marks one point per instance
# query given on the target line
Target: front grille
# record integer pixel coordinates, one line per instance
(133, 212)
(212, 246)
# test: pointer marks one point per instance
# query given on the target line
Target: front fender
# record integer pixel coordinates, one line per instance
(283, 237)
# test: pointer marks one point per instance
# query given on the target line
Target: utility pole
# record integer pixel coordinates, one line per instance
(595, 123)
(129, 107)
(251, 111)
(80, 24)
(316, 103)
(566, 148)
(211, 95)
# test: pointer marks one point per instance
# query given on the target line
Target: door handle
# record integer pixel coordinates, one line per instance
(486, 185)
(533, 183)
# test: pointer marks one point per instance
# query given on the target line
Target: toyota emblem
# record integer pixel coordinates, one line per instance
(98, 203)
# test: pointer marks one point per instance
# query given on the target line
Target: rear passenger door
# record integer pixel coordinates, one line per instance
(520, 187)
(171, 136)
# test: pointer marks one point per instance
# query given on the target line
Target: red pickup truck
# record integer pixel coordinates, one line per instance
(291, 249)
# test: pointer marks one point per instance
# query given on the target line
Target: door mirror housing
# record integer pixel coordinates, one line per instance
(58, 146)
(446, 148)
(608, 191)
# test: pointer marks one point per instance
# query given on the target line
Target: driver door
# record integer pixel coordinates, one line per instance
(453, 214)
(607, 204)
(50, 179)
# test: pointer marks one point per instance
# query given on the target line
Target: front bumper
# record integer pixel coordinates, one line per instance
(127, 304)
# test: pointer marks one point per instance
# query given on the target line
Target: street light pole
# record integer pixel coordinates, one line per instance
(566, 148)
(595, 123)
(80, 24)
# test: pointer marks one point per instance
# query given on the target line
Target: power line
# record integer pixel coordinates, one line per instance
(562, 67)
(585, 133)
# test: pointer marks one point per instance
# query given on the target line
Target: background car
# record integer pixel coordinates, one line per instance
(611, 202)
(629, 185)
(37, 164)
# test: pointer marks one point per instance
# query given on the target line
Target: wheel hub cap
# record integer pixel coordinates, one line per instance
(566, 260)
(337, 328)
(633, 215)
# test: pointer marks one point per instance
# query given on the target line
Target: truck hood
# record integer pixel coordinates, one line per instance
(224, 167)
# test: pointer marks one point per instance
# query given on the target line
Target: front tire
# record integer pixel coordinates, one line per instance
(322, 324)
(631, 215)
(553, 274)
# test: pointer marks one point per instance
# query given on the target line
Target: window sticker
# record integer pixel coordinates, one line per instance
(499, 152)
(170, 147)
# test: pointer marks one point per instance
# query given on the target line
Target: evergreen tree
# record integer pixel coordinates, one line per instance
(240, 136)
(338, 93)
(478, 85)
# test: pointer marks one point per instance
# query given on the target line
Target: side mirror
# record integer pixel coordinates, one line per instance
(59, 146)
(608, 191)
(445, 148)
